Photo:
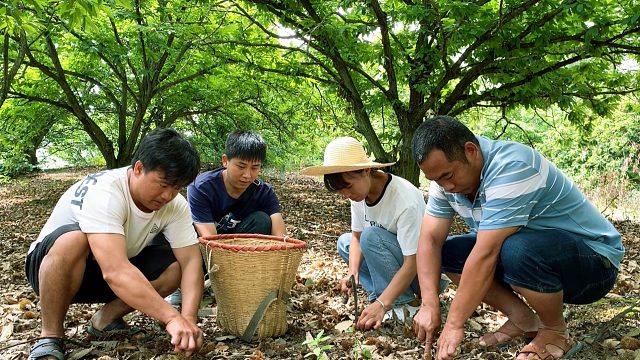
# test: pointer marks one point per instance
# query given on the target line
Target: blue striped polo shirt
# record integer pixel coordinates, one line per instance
(519, 187)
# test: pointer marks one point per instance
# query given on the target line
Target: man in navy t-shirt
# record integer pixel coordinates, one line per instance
(232, 199)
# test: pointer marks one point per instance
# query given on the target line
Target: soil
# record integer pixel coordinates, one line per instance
(318, 317)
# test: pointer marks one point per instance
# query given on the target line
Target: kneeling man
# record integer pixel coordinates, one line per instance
(93, 248)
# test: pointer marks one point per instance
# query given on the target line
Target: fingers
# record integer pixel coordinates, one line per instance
(187, 344)
(368, 323)
(371, 317)
(200, 341)
(446, 351)
(344, 286)
(186, 337)
(427, 350)
(419, 330)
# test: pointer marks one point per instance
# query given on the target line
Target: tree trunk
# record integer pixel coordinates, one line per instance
(406, 167)
(31, 156)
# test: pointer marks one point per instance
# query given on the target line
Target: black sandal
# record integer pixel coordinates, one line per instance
(47, 346)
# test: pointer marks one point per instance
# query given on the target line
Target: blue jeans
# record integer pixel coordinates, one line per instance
(544, 261)
(382, 260)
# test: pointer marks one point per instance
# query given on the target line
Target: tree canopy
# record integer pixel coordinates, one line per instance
(288, 67)
(415, 59)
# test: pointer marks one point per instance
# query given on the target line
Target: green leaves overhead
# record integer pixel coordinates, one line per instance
(447, 57)
(377, 68)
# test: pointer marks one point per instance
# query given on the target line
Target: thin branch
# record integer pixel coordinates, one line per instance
(388, 62)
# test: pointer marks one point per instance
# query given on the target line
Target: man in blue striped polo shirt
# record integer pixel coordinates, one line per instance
(532, 233)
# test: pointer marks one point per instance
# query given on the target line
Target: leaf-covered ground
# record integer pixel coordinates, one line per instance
(609, 328)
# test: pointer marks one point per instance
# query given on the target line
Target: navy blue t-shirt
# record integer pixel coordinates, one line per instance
(210, 203)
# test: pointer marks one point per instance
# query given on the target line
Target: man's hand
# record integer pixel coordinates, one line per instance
(371, 317)
(426, 323)
(185, 335)
(448, 343)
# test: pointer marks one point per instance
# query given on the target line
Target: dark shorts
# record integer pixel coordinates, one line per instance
(258, 222)
(152, 261)
(543, 261)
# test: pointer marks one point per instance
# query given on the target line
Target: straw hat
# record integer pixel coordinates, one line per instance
(341, 155)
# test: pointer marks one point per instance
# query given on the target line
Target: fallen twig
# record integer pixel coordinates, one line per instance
(30, 340)
(602, 329)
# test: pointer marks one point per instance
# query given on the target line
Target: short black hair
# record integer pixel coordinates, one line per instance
(336, 182)
(166, 150)
(443, 133)
(246, 145)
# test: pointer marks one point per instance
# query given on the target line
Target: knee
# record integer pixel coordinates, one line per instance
(343, 243)
(456, 250)
(169, 281)
(371, 236)
(72, 247)
(260, 222)
(262, 217)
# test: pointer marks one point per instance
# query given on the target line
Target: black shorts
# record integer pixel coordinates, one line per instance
(152, 261)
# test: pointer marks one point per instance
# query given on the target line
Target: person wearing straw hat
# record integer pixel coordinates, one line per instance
(533, 233)
(380, 250)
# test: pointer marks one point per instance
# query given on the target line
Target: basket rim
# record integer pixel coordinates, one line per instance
(288, 243)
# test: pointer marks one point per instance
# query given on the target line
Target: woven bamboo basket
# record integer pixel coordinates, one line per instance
(252, 276)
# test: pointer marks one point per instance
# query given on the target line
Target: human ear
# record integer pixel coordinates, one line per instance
(471, 150)
(138, 168)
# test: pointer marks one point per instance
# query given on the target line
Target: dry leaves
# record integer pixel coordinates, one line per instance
(318, 217)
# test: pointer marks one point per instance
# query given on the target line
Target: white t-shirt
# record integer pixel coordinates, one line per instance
(101, 203)
(399, 210)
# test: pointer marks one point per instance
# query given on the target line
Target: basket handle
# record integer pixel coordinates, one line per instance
(209, 259)
(261, 310)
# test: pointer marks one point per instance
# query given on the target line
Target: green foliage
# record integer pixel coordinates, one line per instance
(301, 73)
(120, 69)
(359, 351)
(447, 57)
(318, 346)
(596, 152)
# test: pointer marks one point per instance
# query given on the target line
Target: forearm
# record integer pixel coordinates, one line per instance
(477, 276)
(278, 227)
(131, 286)
(428, 264)
(205, 229)
(398, 284)
(433, 234)
(355, 255)
(192, 285)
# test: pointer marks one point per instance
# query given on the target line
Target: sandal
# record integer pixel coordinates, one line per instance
(556, 341)
(509, 332)
(47, 346)
(118, 328)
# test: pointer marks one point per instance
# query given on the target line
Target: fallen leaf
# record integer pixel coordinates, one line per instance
(225, 337)
(79, 354)
(343, 325)
(7, 330)
(630, 343)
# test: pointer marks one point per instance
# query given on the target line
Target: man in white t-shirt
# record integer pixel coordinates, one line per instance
(95, 248)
